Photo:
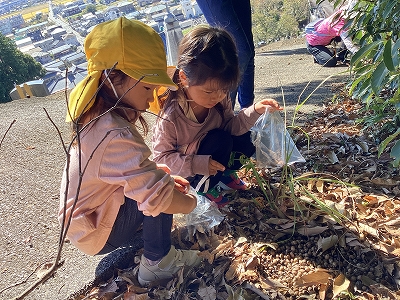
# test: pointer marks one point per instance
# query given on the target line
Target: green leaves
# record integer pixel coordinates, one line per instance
(15, 67)
(376, 66)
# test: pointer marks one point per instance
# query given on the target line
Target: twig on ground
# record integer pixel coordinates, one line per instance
(9, 127)
(18, 283)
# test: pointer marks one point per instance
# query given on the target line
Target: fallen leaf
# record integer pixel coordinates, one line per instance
(310, 231)
(252, 263)
(371, 199)
(368, 229)
(263, 246)
(318, 277)
(320, 186)
(277, 221)
(385, 182)
(232, 272)
(340, 284)
(241, 240)
(322, 291)
(380, 289)
(328, 242)
(270, 283)
(396, 252)
(207, 255)
(332, 157)
(207, 293)
(133, 296)
(43, 270)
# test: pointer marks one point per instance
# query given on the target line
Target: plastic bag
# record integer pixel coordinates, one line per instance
(206, 215)
(274, 146)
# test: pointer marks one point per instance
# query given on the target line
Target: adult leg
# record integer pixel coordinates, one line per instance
(342, 52)
(235, 17)
(245, 44)
(322, 55)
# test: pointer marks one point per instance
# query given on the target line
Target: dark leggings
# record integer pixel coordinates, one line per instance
(220, 144)
(156, 231)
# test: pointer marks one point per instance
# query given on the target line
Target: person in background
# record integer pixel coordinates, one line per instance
(197, 135)
(323, 32)
(110, 188)
(235, 17)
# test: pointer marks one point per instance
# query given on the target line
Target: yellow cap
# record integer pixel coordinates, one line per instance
(138, 51)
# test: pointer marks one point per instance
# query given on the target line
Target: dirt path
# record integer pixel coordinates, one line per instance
(286, 72)
(32, 158)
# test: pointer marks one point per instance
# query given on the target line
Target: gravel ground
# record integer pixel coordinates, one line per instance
(32, 158)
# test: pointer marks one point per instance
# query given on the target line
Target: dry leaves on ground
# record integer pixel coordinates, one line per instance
(334, 234)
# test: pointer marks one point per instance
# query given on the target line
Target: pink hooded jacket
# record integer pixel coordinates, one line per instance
(326, 30)
(176, 138)
(115, 158)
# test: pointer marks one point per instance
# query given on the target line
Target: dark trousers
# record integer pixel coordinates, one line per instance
(220, 144)
(156, 231)
(235, 17)
(324, 57)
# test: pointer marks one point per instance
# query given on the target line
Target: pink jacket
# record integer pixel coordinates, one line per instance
(116, 160)
(176, 139)
(326, 30)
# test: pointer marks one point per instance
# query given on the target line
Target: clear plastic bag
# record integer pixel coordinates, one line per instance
(274, 146)
(206, 215)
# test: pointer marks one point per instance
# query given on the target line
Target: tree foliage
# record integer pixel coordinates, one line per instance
(90, 8)
(15, 68)
(273, 19)
(376, 68)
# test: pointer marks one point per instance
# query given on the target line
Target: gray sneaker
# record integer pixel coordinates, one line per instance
(168, 266)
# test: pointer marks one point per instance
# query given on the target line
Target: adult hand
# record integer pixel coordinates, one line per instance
(181, 184)
(214, 167)
(269, 105)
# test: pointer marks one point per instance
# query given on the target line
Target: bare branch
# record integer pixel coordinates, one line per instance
(9, 127)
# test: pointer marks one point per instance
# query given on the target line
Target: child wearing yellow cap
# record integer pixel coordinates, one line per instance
(199, 134)
(110, 188)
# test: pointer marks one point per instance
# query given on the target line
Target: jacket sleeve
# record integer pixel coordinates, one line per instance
(241, 122)
(182, 161)
(348, 42)
(125, 163)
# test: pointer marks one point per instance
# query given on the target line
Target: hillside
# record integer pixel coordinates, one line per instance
(32, 159)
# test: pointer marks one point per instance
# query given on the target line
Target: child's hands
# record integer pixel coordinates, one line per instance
(269, 105)
(214, 167)
(181, 184)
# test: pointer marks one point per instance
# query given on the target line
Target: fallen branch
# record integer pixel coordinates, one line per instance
(9, 127)
(18, 283)
(46, 276)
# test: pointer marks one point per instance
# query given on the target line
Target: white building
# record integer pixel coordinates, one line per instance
(190, 9)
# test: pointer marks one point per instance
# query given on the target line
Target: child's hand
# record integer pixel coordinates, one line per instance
(214, 167)
(181, 184)
(164, 167)
(269, 105)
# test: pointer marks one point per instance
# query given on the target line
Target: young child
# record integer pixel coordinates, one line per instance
(198, 133)
(120, 189)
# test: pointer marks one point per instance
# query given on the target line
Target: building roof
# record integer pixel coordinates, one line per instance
(59, 49)
(58, 30)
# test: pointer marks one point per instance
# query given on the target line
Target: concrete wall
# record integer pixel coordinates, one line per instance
(35, 88)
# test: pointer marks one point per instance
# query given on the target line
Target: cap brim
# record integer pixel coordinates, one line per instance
(156, 77)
